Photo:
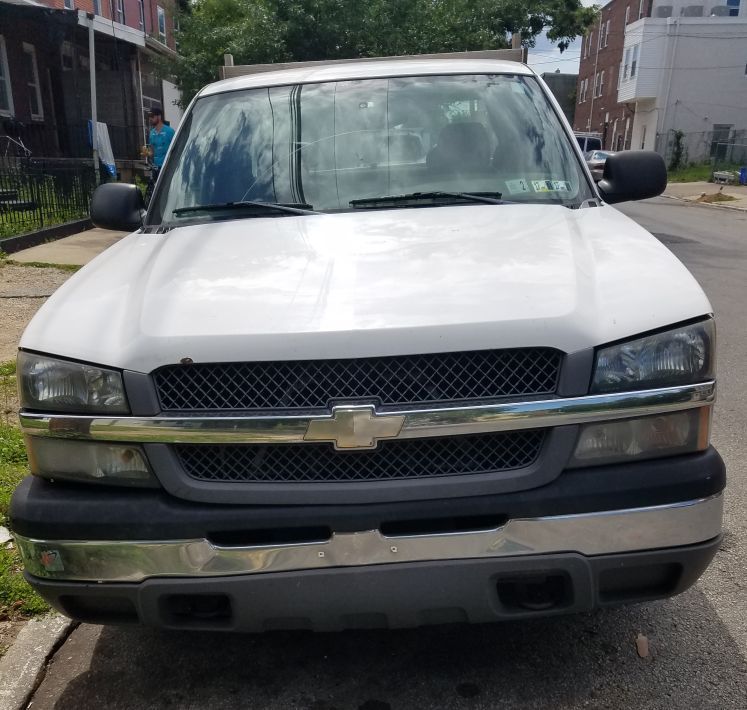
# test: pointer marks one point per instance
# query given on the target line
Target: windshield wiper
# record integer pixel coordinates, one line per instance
(491, 198)
(247, 204)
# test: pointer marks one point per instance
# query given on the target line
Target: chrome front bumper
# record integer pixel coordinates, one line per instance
(590, 534)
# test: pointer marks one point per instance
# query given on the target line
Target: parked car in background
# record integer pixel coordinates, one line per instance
(334, 379)
(596, 160)
(588, 141)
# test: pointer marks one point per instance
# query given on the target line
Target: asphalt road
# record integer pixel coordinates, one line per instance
(698, 641)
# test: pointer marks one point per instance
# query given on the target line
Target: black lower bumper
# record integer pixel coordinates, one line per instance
(354, 593)
(60, 511)
(388, 596)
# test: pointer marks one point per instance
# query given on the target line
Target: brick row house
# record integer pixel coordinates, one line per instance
(45, 89)
(597, 107)
(655, 73)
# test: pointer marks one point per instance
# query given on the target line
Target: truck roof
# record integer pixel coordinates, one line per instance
(357, 69)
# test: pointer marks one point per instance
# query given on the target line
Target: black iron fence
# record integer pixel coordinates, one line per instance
(35, 194)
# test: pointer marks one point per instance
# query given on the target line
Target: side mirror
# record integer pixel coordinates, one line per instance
(633, 175)
(117, 205)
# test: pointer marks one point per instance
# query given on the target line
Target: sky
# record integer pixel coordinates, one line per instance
(546, 57)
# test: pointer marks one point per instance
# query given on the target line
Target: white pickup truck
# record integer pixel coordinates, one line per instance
(379, 353)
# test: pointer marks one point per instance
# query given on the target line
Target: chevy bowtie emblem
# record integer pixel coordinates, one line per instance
(354, 427)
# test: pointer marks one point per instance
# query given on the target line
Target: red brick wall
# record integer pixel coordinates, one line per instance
(598, 113)
(85, 5)
(132, 16)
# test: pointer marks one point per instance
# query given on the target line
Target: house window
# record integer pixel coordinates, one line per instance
(634, 63)
(733, 6)
(627, 15)
(31, 74)
(161, 24)
(141, 14)
(606, 33)
(626, 66)
(640, 9)
(601, 84)
(119, 13)
(70, 4)
(96, 7)
(6, 95)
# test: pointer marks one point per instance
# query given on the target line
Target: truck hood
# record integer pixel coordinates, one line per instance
(368, 283)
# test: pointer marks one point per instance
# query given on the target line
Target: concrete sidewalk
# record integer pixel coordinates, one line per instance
(76, 250)
(691, 191)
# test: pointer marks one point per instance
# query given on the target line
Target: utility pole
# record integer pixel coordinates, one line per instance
(94, 115)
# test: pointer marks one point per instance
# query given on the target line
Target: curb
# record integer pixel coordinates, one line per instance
(705, 204)
(10, 245)
(22, 667)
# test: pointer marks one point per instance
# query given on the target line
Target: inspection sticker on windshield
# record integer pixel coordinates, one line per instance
(517, 186)
(551, 186)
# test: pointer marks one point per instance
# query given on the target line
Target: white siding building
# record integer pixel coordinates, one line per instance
(685, 68)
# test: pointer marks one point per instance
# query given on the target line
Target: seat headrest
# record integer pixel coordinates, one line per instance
(468, 137)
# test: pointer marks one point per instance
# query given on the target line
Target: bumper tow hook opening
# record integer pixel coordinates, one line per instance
(535, 593)
(196, 609)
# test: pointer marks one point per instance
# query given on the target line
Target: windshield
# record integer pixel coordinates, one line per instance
(326, 145)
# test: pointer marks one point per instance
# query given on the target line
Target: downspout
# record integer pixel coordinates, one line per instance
(140, 91)
(94, 114)
(594, 87)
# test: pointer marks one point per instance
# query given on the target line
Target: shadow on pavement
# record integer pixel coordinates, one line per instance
(565, 662)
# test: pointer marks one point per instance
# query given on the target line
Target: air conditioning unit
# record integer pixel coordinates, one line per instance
(692, 11)
(663, 11)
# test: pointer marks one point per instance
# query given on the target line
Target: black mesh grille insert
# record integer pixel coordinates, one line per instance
(391, 460)
(313, 384)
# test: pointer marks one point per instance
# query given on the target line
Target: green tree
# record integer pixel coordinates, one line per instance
(248, 29)
(259, 31)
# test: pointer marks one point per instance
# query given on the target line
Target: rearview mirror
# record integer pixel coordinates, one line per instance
(633, 175)
(117, 205)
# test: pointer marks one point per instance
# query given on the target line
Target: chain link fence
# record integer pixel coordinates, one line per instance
(722, 149)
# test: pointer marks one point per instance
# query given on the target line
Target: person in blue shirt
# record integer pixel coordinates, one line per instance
(160, 137)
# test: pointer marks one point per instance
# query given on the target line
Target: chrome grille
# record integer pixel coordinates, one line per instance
(391, 460)
(402, 380)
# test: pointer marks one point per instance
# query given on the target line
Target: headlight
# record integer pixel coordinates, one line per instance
(644, 438)
(676, 357)
(53, 385)
(116, 464)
